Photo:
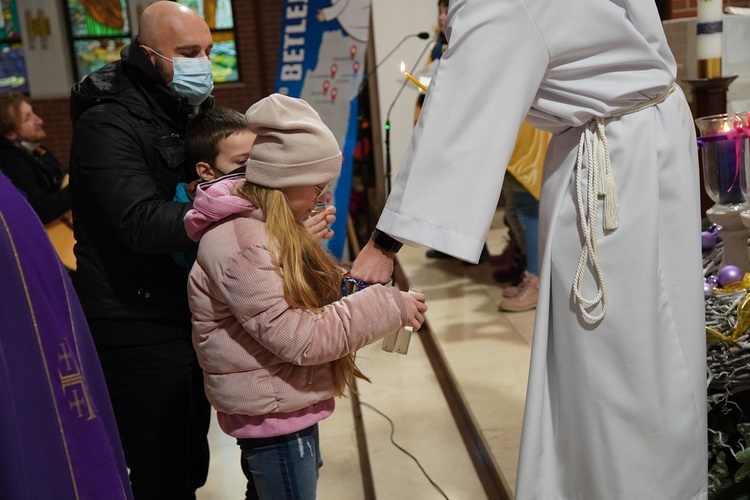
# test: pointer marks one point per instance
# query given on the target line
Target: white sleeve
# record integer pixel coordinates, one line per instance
(447, 190)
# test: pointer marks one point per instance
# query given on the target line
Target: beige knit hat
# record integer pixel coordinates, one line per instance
(293, 148)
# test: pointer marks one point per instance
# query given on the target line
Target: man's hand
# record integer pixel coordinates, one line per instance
(373, 264)
(317, 225)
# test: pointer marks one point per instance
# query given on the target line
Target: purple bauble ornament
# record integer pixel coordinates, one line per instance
(730, 274)
(712, 280)
(708, 241)
(708, 289)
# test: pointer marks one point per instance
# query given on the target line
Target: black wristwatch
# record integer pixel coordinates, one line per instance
(386, 242)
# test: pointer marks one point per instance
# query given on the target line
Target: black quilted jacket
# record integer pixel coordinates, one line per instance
(126, 158)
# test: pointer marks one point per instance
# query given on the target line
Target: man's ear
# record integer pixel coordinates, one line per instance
(205, 171)
(147, 52)
(12, 136)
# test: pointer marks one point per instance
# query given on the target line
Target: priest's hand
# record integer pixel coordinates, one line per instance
(373, 264)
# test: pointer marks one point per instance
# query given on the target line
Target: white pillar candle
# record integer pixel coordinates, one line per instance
(709, 29)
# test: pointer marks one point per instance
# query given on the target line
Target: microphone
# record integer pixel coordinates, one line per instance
(422, 35)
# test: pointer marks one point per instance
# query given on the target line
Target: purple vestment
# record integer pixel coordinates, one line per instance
(58, 437)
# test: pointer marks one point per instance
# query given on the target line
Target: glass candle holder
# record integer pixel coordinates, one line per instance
(723, 144)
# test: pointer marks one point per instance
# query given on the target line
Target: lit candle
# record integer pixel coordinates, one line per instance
(709, 32)
(416, 82)
(722, 165)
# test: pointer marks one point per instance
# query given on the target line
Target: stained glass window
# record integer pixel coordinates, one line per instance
(12, 58)
(99, 30)
(219, 17)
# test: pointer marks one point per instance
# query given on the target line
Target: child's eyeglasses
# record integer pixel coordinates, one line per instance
(322, 191)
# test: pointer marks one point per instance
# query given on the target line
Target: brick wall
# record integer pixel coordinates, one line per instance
(687, 8)
(258, 28)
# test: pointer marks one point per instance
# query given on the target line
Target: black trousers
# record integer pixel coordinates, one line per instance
(161, 408)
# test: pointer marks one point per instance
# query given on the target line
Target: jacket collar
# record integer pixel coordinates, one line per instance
(131, 81)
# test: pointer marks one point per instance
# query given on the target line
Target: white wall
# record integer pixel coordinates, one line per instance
(735, 60)
(47, 65)
(392, 20)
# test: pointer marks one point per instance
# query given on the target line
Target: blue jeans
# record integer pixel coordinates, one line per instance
(282, 467)
(527, 208)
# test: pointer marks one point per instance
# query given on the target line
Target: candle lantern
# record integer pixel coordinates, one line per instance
(723, 150)
(723, 144)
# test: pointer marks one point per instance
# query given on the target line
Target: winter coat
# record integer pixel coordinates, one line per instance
(259, 354)
(39, 176)
(126, 159)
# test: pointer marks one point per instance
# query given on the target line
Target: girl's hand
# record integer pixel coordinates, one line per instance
(317, 225)
(415, 309)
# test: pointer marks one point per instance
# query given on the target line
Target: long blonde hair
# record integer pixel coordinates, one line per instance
(311, 276)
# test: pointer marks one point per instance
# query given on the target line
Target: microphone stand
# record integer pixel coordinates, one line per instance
(388, 122)
(388, 139)
(423, 35)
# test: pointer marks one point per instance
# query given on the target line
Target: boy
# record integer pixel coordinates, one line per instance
(218, 143)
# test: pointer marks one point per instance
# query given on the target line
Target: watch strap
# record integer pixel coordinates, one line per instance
(386, 242)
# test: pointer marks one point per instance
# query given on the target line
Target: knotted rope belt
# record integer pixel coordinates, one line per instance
(600, 184)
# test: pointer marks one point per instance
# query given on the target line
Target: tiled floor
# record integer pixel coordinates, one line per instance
(488, 354)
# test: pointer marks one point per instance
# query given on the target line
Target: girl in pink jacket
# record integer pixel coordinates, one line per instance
(273, 334)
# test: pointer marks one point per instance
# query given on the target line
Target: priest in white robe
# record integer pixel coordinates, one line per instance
(616, 401)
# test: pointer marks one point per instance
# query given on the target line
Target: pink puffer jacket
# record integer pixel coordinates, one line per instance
(258, 354)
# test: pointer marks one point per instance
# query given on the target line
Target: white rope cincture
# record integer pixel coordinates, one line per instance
(600, 185)
(587, 216)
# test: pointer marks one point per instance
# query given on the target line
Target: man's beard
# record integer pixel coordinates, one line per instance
(162, 70)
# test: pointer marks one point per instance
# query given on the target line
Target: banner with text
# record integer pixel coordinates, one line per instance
(322, 60)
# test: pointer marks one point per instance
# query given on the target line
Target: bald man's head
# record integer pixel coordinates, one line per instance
(172, 30)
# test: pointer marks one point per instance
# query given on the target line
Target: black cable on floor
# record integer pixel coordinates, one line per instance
(393, 430)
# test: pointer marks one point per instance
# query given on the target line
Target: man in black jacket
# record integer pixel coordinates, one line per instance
(127, 157)
(31, 167)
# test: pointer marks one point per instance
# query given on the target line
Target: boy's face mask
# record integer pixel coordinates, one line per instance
(191, 78)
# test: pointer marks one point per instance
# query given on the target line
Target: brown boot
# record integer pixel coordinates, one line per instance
(528, 293)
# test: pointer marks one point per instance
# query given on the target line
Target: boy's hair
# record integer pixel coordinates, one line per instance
(443, 3)
(206, 130)
(10, 103)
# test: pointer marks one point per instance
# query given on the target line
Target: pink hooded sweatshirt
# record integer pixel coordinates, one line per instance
(267, 365)
(215, 202)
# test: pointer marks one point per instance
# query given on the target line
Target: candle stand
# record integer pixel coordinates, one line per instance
(723, 152)
(735, 230)
(711, 94)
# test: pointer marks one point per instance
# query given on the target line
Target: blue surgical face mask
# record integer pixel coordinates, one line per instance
(192, 77)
